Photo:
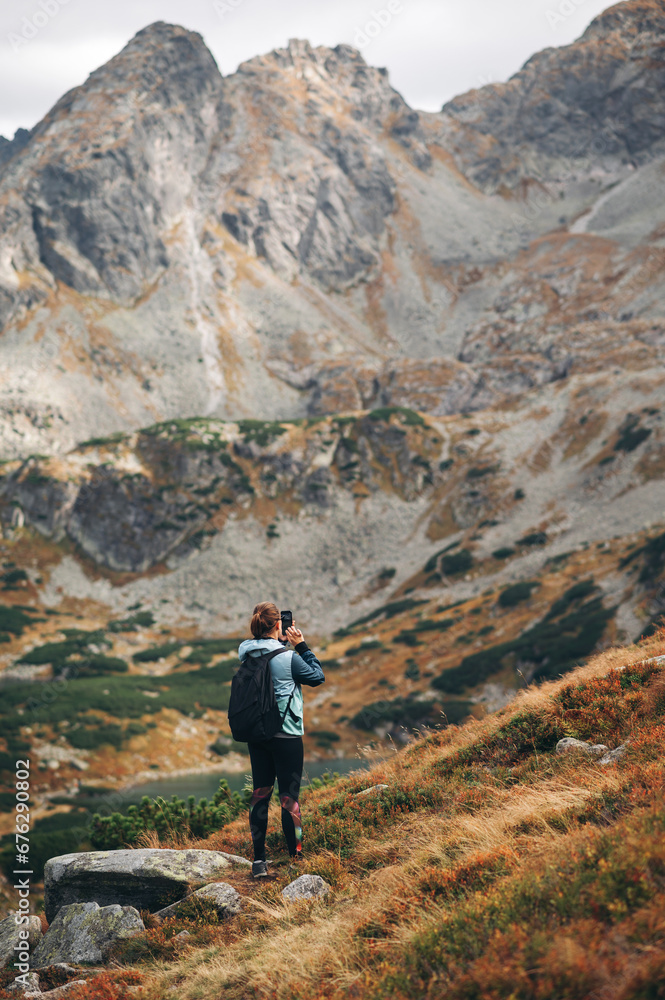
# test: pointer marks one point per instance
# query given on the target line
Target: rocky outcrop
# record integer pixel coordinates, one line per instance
(599, 101)
(13, 934)
(27, 986)
(85, 932)
(614, 755)
(226, 899)
(306, 887)
(570, 745)
(147, 879)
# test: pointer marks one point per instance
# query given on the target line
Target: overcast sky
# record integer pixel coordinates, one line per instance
(433, 49)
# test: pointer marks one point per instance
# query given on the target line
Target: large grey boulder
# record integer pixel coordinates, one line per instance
(12, 934)
(148, 879)
(227, 900)
(85, 932)
(306, 887)
(569, 745)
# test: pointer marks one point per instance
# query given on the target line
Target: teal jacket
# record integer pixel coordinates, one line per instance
(290, 670)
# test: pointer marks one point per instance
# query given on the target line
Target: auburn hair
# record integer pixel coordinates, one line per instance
(264, 618)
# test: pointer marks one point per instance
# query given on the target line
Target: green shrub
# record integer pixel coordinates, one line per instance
(516, 593)
(59, 654)
(407, 416)
(205, 649)
(195, 819)
(98, 664)
(479, 472)
(387, 611)
(12, 577)
(534, 538)
(551, 647)
(363, 647)
(225, 744)
(51, 836)
(457, 562)
(503, 553)
(90, 739)
(15, 619)
(631, 435)
(142, 618)
(574, 594)
(156, 652)
(261, 432)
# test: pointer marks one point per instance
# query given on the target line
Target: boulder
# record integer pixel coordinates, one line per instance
(227, 900)
(148, 879)
(306, 887)
(85, 932)
(370, 792)
(614, 755)
(62, 991)
(12, 934)
(569, 745)
(26, 988)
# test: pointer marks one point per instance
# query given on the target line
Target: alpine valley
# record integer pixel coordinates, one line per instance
(276, 335)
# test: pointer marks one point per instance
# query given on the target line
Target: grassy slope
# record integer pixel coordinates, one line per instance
(490, 867)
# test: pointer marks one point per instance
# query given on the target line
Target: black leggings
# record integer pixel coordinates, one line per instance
(281, 759)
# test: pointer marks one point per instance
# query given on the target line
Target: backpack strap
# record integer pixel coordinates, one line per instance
(269, 656)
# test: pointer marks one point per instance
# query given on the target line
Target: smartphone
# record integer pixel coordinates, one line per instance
(287, 620)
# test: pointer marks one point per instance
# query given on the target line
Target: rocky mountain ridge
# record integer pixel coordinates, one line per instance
(293, 239)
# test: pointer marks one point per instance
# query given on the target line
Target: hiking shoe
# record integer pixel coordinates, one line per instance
(259, 869)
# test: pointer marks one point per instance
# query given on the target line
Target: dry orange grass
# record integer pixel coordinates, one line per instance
(393, 887)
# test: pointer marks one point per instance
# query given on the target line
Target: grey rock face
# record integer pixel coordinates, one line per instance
(148, 879)
(306, 887)
(614, 755)
(591, 102)
(570, 745)
(85, 932)
(155, 188)
(227, 900)
(12, 933)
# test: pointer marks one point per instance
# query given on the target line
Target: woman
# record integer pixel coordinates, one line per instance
(282, 756)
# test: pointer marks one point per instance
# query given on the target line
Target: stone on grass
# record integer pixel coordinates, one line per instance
(60, 992)
(614, 755)
(85, 932)
(148, 879)
(306, 887)
(569, 745)
(12, 934)
(224, 896)
(374, 790)
(29, 987)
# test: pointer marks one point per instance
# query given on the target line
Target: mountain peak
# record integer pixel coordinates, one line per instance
(630, 16)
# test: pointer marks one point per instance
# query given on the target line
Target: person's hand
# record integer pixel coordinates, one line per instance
(294, 635)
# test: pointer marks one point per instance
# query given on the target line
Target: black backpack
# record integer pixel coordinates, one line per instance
(253, 710)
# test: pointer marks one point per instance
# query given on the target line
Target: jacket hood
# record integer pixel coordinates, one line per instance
(248, 645)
